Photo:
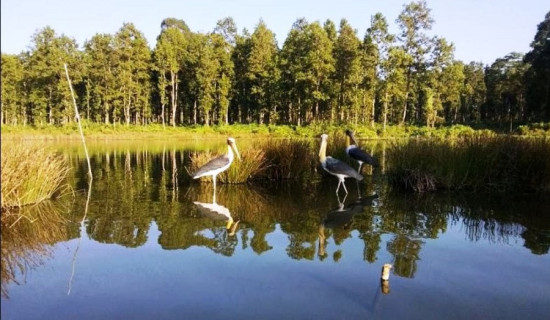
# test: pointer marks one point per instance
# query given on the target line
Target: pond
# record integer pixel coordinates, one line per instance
(147, 242)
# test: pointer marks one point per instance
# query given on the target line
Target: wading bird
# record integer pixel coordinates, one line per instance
(336, 167)
(218, 164)
(357, 153)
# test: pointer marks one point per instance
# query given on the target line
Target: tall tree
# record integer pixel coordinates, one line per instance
(446, 78)
(376, 46)
(100, 77)
(413, 21)
(538, 75)
(169, 55)
(505, 90)
(347, 71)
(206, 71)
(307, 64)
(13, 111)
(262, 72)
(474, 92)
(222, 53)
(241, 86)
(394, 92)
(49, 96)
(133, 62)
(227, 28)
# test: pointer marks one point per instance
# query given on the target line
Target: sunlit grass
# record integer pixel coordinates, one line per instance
(157, 131)
(288, 158)
(502, 164)
(31, 173)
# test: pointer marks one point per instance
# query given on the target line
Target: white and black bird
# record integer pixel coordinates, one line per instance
(357, 153)
(336, 167)
(219, 164)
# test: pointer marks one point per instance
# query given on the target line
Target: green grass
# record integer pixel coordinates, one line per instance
(156, 131)
(499, 164)
(31, 173)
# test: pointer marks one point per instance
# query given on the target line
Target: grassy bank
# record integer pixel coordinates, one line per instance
(502, 164)
(154, 131)
(31, 173)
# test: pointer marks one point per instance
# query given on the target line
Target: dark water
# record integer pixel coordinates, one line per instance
(148, 244)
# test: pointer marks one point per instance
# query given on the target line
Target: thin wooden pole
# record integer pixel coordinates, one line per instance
(79, 123)
(89, 174)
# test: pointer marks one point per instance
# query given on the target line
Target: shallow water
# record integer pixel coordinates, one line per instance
(148, 244)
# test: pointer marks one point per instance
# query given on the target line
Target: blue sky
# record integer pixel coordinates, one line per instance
(481, 30)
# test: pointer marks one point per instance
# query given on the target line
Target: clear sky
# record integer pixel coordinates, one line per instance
(481, 30)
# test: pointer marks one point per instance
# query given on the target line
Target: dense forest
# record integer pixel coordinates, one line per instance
(322, 73)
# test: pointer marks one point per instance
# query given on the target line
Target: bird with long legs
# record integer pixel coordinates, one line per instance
(336, 167)
(219, 164)
(357, 153)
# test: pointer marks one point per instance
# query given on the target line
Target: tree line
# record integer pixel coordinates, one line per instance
(322, 73)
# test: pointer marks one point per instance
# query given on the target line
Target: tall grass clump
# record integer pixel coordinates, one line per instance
(30, 174)
(477, 163)
(288, 158)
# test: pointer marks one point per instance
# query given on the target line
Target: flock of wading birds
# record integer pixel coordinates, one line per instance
(337, 168)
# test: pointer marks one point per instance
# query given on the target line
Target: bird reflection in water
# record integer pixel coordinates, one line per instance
(215, 211)
(341, 218)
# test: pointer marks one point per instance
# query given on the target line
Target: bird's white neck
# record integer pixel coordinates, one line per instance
(230, 154)
(323, 150)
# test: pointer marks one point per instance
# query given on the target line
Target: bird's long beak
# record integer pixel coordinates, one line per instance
(236, 151)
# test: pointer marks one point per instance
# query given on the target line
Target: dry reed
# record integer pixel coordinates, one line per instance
(502, 164)
(30, 174)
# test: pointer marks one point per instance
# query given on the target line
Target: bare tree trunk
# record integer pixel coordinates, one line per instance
(385, 112)
(372, 114)
(173, 98)
(195, 112)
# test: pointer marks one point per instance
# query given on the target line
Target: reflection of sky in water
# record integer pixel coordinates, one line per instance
(455, 279)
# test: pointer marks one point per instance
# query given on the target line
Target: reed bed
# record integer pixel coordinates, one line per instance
(288, 159)
(31, 173)
(501, 164)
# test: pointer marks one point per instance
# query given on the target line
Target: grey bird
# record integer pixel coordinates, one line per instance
(357, 153)
(336, 167)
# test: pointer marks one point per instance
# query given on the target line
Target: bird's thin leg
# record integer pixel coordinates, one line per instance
(358, 190)
(344, 184)
(360, 165)
(337, 188)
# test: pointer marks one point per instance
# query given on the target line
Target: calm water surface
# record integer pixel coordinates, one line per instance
(149, 243)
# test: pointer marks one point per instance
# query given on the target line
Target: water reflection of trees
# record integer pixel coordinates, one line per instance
(27, 243)
(135, 189)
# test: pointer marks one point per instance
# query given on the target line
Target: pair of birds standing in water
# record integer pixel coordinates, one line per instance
(333, 166)
(341, 169)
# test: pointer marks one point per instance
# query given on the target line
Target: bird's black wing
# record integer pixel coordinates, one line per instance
(336, 166)
(360, 155)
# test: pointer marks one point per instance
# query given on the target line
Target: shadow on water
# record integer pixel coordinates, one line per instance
(133, 191)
